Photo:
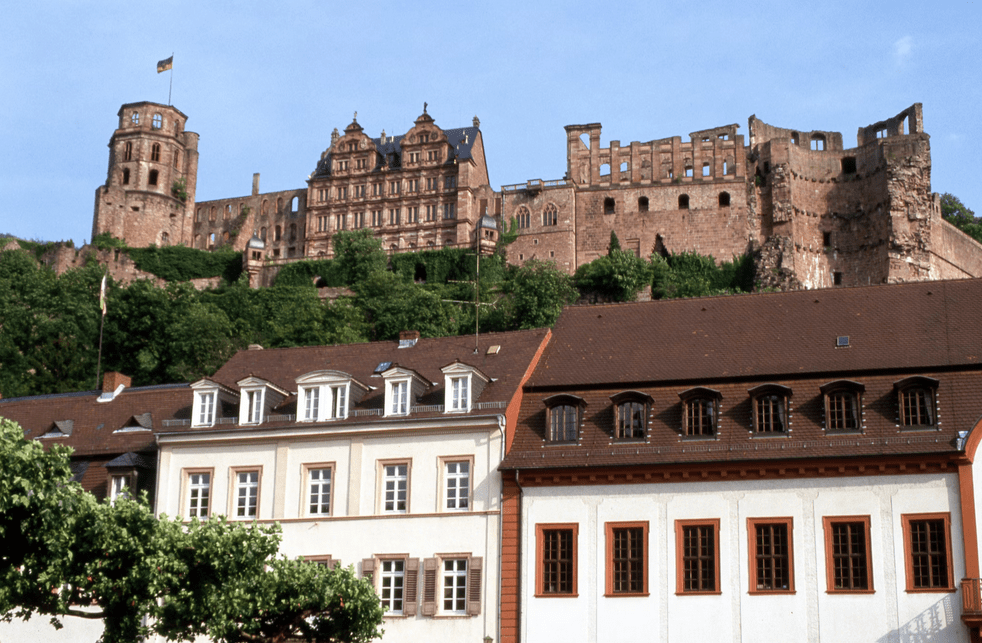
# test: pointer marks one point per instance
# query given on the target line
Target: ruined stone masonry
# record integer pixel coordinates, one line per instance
(813, 213)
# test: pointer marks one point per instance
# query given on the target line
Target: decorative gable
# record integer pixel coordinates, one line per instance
(256, 397)
(463, 384)
(327, 395)
(208, 398)
(403, 386)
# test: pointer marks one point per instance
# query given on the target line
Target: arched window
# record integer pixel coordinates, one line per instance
(279, 205)
(295, 204)
(700, 408)
(155, 152)
(770, 405)
(724, 199)
(915, 402)
(164, 239)
(211, 240)
(158, 121)
(128, 152)
(843, 406)
(227, 212)
(213, 214)
(630, 415)
(197, 241)
(135, 118)
(265, 210)
(524, 218)
(278, 233)
(683, 202)
(609, 205)
(262, 233)
(153, 178)
(177, 159)
(126, 176)
(562, 417)
(448, 242)
(550, 216)
(643, 204)
(225, 237)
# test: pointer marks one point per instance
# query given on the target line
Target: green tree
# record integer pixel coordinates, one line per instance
(394, 305)
(619, 275)
(615, 243)
(959, 215)
(536, 293)
(358, 254)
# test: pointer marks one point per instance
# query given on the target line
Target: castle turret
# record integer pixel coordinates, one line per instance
(148, 197)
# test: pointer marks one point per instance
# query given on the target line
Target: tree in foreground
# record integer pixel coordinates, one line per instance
(142, 576)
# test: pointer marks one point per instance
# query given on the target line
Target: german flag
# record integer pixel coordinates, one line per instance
(165, 64)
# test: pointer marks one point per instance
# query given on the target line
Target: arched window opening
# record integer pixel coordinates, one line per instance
(155, 152)
(158, 121)
(262, 233)
(609, 205)
(164, 239)
(225, 237)
(643, 204)
(213, 214)
(228, 212)
(605, 169)
(524, 218)
(265, 207)
(278, 233)
(153, 178)
(295, 204)
(211, 240)
(279, 205)
(724, 199)
(550, 216)
(683, 202)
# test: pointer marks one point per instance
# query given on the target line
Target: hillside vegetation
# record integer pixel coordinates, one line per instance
(49, 324)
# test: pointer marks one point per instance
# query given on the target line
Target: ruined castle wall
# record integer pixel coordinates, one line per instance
(278, 218)
(117, 263)
(539, 238)
(954, 254)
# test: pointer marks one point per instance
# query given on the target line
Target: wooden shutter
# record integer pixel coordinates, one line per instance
(474, 586)
(410, 594)
(368, 569)
(431, 566)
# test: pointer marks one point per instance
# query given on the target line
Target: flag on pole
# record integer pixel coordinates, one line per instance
(165, 64)
(102, 297)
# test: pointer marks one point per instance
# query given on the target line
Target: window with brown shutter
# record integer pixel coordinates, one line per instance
(474, 565)
(430, 568)
(411, 594)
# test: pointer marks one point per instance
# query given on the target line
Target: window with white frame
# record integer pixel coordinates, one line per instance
(395, 487)
(204, 414)
(339, 401)
(252, 407)
(399, 391)
(459, 400)
(311, 403)
(319, 490)
(455, 586)
(198, 498)
(121, 485)
(246, 493)
(393, 579)
(457, 476)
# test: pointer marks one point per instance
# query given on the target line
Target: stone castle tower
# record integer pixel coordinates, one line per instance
(148, 197)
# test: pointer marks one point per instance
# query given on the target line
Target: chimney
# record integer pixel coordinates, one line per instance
(408, 338)
(255, 184)
(111, 380)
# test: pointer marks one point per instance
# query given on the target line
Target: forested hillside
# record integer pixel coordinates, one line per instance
(49, 324)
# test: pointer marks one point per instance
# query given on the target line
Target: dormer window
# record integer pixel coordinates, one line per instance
(630, 415)
(258, 396)
(206, 409)
(843, 406)
(916, 402)
(700, 408)
(463, 384)
(327, 395)
(399, 398)
(402, 387)
(563, 417)
(770, 409)
(208, 397)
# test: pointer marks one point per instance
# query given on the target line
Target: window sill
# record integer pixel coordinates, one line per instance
(850, 591)
(769, 436)
(771, 592)
(450, 617)
(700, 593)
(917, 428)
(930, 590)
(561, 444)
(836, 433)
(628, 595)
(699, 438)
(573, 595)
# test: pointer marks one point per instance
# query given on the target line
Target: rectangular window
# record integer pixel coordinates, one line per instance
(395, 487)
(246, 492)
(927, 549)
(319, 490)
(449, 211)
(376, 189)
(770, 413)
(459, 400)
(771, 556)
(339, 402)
(562, 423)
(206, 409)
(400, 398)
(197, 494)
(377, 218)
(457, 479)
(627, 558)
(394, 216)
(700, 417)
(392, 585)
(121, 486)
(393, 187)
(430, 212)
(412, 214)
(311, 403)
(697, 556)
(630, 421)
(254, 407)
(847, 554)
(455, 586)
(556, 559)
(412, 185)
(842, 411)
(916, 407)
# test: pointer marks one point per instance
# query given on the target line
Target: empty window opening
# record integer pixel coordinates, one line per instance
(135, 118)
(295, 204)
(278, 233)
(153, 178)
(726, 168)
(818, 142)
(903, 127)
(683, 202)
(164, 239)
(609, 205)
(623, 167)
(837, 278)
(211, 240)
(155, 152)
(643, 204)
(605, 169)
(827, 239)
(265, 209)
(293, 231)
(849, 164)
(420, 273)
(794, 138)
(228, 212)
(262, 233)
(126, 176)
(211, 215)
(128, 152)
(688, 171)
(158, 121)
(881, 133)
(724, 199)
(177, 159)
(585, 139)
(279, 205)
(705, 169)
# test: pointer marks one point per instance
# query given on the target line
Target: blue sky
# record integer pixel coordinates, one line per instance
(264, 83)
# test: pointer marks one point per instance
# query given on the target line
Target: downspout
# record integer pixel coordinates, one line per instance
(502, 422)
(518, 610)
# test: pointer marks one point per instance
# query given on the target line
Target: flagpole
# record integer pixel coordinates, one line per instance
(169, 89)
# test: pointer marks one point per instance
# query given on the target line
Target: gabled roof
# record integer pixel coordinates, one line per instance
(903, 326)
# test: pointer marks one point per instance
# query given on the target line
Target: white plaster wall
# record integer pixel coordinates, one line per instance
(357, 529)
(809, 614)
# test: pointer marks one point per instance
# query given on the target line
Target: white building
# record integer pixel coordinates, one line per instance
(383, 456)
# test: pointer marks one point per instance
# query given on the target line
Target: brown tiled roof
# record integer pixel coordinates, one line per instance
(96, 425)
(733, 344)
(907, 326)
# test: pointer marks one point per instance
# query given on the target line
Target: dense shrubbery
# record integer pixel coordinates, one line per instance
(961, 216)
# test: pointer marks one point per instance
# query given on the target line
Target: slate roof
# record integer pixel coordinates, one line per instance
(461, 140)
(734, 344)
